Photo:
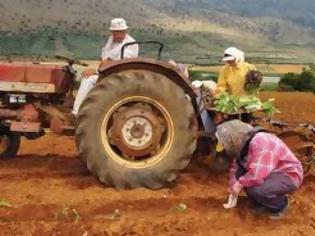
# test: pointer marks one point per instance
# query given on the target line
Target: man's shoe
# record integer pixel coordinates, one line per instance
(259, 210)
(280, 214)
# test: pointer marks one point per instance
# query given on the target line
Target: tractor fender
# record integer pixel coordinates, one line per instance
(166, 69)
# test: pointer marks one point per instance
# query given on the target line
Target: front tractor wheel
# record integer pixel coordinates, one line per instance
(136, 129)
(9, 143)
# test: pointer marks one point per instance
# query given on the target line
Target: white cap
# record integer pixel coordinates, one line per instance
(233, 54)
(196, 84)
(210, 84)
(118, 24)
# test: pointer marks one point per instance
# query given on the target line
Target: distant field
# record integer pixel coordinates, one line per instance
(269, 70)
(264, 68)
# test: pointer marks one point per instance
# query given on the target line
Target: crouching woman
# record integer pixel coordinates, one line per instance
(263, 166)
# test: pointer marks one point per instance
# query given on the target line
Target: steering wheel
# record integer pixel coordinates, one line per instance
(71, 61)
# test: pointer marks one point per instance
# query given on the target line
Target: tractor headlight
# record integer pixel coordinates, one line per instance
(17, 98)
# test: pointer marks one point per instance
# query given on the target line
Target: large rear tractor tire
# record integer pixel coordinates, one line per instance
(9, 143)
(136, 129)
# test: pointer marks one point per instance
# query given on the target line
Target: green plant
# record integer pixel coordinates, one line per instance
(179, 208)
(116, 215)
(68, 213)
(231, 104)
(298, 82)
(5, 204)
(253, 80)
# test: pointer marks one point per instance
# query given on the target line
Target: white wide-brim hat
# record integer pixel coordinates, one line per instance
(118, 24)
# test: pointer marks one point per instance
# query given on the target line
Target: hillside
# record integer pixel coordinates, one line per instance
(191, 29)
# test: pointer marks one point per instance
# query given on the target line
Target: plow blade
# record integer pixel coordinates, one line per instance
(302, 147)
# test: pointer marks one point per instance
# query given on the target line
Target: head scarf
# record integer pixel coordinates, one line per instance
(181, 67)
(234, 53)
(240, 56)
(231, 135)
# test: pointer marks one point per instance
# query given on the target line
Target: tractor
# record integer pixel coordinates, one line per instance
(138, 127)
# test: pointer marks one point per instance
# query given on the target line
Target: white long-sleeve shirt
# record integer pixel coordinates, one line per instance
(112, 50)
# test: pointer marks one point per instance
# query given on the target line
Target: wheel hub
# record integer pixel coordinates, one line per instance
(136, 132)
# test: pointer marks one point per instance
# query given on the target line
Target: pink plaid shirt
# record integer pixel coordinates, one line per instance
(268, 154)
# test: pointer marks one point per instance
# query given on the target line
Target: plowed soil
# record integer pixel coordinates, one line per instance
(52, 193)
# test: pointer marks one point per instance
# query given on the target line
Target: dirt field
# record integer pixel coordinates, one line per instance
(52, 193)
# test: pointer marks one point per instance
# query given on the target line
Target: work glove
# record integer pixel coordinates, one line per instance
(232, 202)
(237, 188)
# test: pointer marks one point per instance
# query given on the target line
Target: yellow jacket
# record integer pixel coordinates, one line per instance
(232, 78)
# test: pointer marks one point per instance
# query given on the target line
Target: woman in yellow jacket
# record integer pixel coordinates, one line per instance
(232, 76)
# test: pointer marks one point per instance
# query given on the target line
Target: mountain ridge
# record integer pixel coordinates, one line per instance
(189, 28)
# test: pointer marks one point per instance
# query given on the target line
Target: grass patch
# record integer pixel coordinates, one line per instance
(203, 75)
(269, 87)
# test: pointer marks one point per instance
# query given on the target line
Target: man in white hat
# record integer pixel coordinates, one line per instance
(232, 75)
(111, 51)
(119, 37)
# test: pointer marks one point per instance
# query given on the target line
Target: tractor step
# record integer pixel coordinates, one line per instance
(58, 126)
(25, 126)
